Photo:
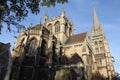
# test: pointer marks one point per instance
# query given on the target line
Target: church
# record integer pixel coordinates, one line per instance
(51, 51)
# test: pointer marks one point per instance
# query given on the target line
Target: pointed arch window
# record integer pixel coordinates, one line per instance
(57, 26)
(101, 43)
(70, 31)
(66, 28)
(96, 44)
(32, 47)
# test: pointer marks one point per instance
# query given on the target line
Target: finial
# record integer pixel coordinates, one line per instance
(63, 12)
(94, 9)
(46, 17)
(30, 25)
(46, 13)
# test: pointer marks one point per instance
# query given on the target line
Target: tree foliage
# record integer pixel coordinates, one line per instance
(98, 76)
(116, 76)
(14, 11)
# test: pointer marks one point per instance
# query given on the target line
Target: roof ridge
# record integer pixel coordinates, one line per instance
(76, 38)
(79, 33)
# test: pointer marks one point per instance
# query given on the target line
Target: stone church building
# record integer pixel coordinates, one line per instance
(52, 50)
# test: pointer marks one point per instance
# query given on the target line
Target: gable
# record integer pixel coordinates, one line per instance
(76, 38)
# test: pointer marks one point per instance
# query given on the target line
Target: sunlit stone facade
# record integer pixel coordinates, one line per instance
(102, 53)
(84, 54)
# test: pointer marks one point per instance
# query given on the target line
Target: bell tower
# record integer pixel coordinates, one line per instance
(59, 26)
(101, 49)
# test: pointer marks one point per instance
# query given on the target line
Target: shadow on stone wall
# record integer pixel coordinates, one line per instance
(4, 59)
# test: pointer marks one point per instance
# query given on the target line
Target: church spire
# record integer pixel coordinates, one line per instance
(95, 19)
(96, 25)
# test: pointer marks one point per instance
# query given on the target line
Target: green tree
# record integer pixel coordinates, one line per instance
(116, 76)
(13, 11)
(97, 76)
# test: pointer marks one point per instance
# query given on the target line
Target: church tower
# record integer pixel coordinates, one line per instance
(102, 53)
(61, 27)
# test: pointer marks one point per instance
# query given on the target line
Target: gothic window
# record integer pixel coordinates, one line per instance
(100, 43)
(49, 27)
(96, 44)
(32, 47)
(66, 28)
(57, 26)
(70, 31)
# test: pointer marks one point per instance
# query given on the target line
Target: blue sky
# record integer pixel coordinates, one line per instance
(81, 14)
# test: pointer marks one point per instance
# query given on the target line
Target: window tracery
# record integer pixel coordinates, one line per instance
(32, 47)
(70, 31)
(66, 28)
(57, 26)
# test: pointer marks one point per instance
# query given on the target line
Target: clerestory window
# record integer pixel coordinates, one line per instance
(57, 26)
(66, 28)
(32, 47)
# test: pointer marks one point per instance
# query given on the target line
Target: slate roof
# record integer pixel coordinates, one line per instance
(76, 38)
(38, 27)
